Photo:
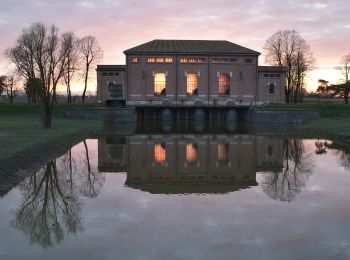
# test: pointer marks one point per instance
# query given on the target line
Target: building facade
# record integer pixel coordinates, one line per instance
(190, 72)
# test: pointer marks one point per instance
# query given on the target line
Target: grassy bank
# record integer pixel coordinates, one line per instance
(327, 109)
(334, 121)
(25, 144)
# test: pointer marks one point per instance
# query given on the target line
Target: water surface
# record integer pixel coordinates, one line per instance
(183, 195)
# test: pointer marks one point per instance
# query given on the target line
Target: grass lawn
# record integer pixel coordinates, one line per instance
(328, 109)
(19, 133)
(21, 128)
(334, 121)
(338, 128)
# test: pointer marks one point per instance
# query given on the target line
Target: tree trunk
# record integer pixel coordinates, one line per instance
(47, 116)
(85, 85)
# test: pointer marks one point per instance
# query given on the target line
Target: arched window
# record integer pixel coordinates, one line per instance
(271, 88)
(159, 83)
(224, 84)
(192, 84)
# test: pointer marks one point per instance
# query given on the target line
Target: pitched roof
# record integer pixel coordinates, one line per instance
(190, 47)
(271, 69)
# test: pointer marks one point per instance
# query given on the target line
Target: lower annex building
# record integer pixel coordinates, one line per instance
(190, 72)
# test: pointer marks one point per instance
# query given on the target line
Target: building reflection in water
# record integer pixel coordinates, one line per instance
(189, 163)
(159, 164)
(160, 153)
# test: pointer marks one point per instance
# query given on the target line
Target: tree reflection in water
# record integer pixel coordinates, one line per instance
(92, 181)
(343, 151)
(297, 165)
(50, 205)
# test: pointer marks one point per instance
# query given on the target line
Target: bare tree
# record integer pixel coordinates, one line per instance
(2, 83)
(91, 53)
(11, 86)
(40, 52)
(288, 49)
(72, 43)
(345, 67)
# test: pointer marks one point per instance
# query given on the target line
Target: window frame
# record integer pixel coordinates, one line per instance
(221, 81)
(157, 84)
(194, 81)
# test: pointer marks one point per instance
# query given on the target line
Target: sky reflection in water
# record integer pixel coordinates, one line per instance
(207, 196)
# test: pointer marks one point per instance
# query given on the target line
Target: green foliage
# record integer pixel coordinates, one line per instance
(323, 86)
(341, 90)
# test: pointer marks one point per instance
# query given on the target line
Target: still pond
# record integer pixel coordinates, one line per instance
(183, 195)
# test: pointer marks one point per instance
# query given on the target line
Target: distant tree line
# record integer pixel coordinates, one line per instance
(45, 59)
(343, 88)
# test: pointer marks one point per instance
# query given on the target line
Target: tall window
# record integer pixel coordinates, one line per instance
(223, 152)
(191, 153)
(271, 89)
(192, 83)
(224, 84)
(159, 83)
(159, 154)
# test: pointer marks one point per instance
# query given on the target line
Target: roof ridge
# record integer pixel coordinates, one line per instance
(191, 46)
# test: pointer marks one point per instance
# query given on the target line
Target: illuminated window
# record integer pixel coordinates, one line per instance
(192, 83)
(272, 89)
(159, 59)
(192, 60)
(223, 152)
(224, 84)
(159, 154)
(191, 153)
(223, 60)
(135, 59)
(159, 83)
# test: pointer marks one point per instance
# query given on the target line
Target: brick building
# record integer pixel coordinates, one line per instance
(190, 72)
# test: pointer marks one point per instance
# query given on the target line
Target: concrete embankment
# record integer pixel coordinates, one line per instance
(132, 115)
(123, 115)
(282, 116)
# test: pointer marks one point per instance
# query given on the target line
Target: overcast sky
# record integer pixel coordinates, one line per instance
(121, 24)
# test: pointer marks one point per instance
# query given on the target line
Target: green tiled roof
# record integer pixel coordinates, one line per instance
(190, 47)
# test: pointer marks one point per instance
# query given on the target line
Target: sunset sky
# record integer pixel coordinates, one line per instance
(121, 24)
